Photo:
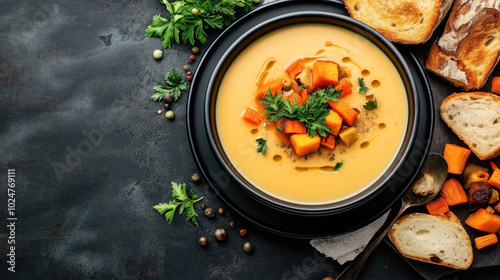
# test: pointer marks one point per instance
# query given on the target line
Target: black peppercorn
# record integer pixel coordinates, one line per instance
(203, 206)
(248, 247)
(203, 241)
(209, 212)
(167, 106)
(220, 234)
(195, 178)
(168, 97)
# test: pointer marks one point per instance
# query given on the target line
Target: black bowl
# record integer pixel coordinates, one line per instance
(267, 212)
(303, 18)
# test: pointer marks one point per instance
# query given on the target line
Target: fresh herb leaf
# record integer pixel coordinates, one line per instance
(338, 166)
(183, 23)
(182, 201)
(362, 88)
(261, 146)
(279, 129)
(174, 83)
(312, 113)
(370, 105)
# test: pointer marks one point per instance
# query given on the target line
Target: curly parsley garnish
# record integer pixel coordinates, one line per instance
(190, 18)
(370, 105)
(261, 146)
(362, 88)
(174, 83)
(180, 200)
(338, 166)
(312, 113)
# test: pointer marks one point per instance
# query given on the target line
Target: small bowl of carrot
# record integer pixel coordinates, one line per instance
(312, 113)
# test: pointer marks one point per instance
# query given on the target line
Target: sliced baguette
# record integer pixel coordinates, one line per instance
(434, 239)
(402, 21)
(475, 118)
(469, 47)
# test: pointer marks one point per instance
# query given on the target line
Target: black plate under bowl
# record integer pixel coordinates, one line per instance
(290, 223)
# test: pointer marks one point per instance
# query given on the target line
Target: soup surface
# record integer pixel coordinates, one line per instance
(312, 179)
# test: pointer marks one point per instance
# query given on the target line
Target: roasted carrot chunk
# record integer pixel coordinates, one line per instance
(483, 220)
(346, 112)
(485, 240)
(275, 86)
(325, 73)
(295, 68)
(497, 207)
(304, 95)
(294, 97)
(251, 115)
(349, 136)
(437, 206)
(295, 126)
(345, 86)
(329, 141)
(334, 122)
(495, 179)
(453, 192)
(495, 85)
(456, 157)
(493, 166)
(303, 144)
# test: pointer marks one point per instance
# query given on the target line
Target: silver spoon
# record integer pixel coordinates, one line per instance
(436, 166)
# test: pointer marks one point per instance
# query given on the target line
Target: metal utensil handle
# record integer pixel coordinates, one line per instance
(351, 272)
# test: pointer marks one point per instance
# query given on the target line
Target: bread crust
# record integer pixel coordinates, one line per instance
(393, 19)
(469, 47)
(495, 150)
(445, 218)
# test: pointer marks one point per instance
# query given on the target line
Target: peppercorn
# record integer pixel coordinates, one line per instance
(203, 206)
(167, 106)
(170, 115)
(203, 241)
(231, 224)
(195, 178)
(159, 112)
(191, 58)
(158, 54)
(221, 211)
(195, 50)
(189, 78)
(168, 97)
(256, 1)
(186, 67)
(209, 212)
(243, 232)
(248, 247)
(195, 11)
(220, 234)
(189, 73)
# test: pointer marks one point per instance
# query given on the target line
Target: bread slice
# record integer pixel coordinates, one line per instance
(475, 118)
(434, 239)
(402, 21)
(469, 48)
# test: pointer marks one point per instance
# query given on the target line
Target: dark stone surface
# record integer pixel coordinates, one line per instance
(92, 157)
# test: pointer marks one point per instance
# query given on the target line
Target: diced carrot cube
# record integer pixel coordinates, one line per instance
(437, 206)
(329, 141)
(486, 240)
(456, 157)
(295, 126)
(495, 179)
(294, 96)
(345, 86)
(453, 192)
(303, 144)
(295, 68)
(275, 86)
(346, 112)
(251, 115)
(325, 73)
(495, 85)
(334, 122)
(482, 220)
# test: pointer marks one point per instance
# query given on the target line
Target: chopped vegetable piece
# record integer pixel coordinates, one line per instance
(493, 166)
(304, 95)
(294, 97)
(295, 126)
(346, 112)
(345, 86)
(482, 220)
(251, 115)
(334, 122)
(495, 85)
(453, 192)
(304, 77)
(275, 86)
(261, 145)
(495, 179)
(303, 144)
(295, 68)
(485, 240)
(328, 141)
(497, 207)
(456, 157)
(325, 73)
(437, 206)
(349, 136)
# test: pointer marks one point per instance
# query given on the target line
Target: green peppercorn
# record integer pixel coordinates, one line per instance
(170, 115)
(195, 50)
(195, 178)
(158, 54)
(220, 234)
(256, 1)
(195, 11)
(248, 247)
(209, 212)
(203, 241)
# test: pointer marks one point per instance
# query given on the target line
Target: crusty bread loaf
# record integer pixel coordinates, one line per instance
(402, 21)
(438, 239)
(475, 118)
(469, 48)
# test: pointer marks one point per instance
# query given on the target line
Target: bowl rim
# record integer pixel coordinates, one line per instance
(304, 17)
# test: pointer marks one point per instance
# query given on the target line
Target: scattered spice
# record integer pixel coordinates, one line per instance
(248, 247)
(243, 232)
(209, 212)
(170, 115)
(203, 206)
(195, 50)
(186, 67)
(220, 234)
(189, 78)
(221, 211)
(203, 241)
(168, 97)
(159, 112)
(231, 224)
(167, 106)
(195, 178)
(191, 59)
(158, 54)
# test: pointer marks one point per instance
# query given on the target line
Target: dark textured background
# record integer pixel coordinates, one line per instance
(75, 82)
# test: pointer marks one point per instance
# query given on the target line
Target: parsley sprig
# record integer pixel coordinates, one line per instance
(362, 88)
(174, 83)
(370, 105)
(190, 18)
(261, 146)
(182, 201)
(312, 113)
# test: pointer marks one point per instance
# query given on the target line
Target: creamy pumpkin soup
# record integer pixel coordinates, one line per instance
(311, 113)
